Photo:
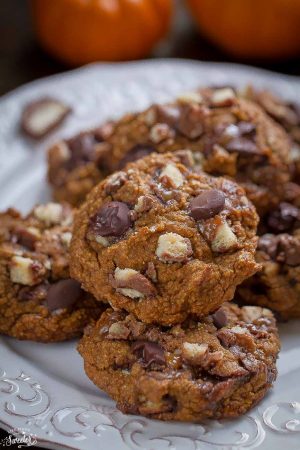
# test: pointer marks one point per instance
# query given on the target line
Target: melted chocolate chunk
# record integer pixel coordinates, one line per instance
(150, 352)
(113, 219)
(63, 294)
(207, 204)
(82, 149)
(137, 152)
(220, 319)
(284, 218)
(25, 238)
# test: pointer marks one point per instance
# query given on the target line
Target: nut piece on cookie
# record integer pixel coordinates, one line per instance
(164, 374)
(172, 247)
(38, 299)
(167, 247)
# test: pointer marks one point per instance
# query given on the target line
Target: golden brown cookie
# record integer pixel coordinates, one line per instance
(228, 136)
(217, 368)
(38, 299)
(163, 241)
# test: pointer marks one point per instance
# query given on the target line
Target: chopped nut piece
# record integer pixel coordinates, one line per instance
(173, 248)
(132, 283)
(144, 203)
(115, 181)
(50, 213)
(190, 97)
(66, 238)
(223, 97)
(173, 175)
(160, 132)
(192, 352)
(42, 116)
(224, 239)
(24, 270)
(102, 240)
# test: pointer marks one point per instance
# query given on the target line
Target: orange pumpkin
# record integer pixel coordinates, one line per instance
(268, 29)
(83, 31)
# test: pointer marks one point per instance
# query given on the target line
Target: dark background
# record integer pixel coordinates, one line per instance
(21, 59)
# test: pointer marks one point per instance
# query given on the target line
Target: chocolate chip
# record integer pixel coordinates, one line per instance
(284, 218)
(113, 219)
(137, 152)
(289, 250)
(82, 149)
(242, 145)
(150, 352)
(63, 294)
(220, 319)
(207, 204)
(268, 243)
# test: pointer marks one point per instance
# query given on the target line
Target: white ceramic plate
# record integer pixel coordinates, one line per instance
(43, 388)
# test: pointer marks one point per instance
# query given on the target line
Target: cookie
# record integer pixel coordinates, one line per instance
(75, 165)
(161, 240)
(38, 299)
(228, 136)
(277, 285)
(217, 368)
(287, 114)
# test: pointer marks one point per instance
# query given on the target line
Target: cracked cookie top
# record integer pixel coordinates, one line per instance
(162, 240)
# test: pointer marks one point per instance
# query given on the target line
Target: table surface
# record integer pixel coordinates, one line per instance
(22, 60)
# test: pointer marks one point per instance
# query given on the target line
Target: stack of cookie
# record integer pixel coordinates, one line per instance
(166, 235)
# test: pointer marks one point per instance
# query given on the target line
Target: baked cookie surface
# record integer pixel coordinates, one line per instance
(277, 285)
(38, 299)
(217, 368)
(163, 241)
(228, 135)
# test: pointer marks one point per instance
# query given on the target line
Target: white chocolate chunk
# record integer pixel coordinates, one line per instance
(222, 96)
(21, 270)
(224, 240)
(173, 174)
(172, 247)
(160, 132)
(102, 240)
(131, 293)
(50, 213)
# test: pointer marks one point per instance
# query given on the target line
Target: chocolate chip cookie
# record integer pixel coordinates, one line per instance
(217, 368)
(38, 299)
(277, 285)
(161, 240)
(227, 135)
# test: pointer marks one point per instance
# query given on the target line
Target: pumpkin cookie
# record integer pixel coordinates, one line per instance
(38, 299)
(228, 136)
(217, 368)
(163, 241)
(277, 285)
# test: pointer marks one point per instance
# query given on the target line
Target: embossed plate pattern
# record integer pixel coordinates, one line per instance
(43, 388)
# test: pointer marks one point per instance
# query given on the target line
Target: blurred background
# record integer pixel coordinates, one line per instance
(62, 34)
